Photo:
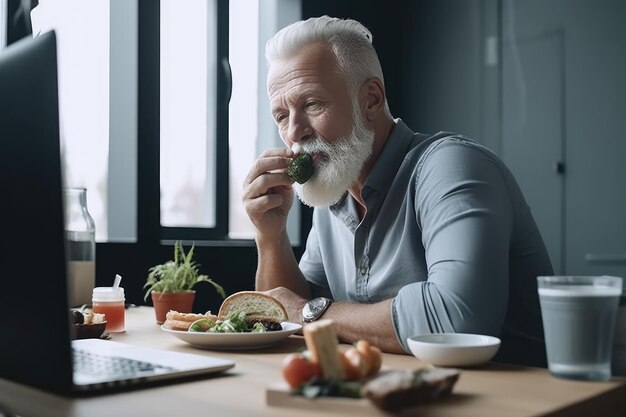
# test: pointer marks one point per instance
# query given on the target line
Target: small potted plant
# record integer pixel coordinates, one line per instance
(171, 284)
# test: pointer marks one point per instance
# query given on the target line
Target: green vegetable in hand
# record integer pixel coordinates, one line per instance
(301, 168)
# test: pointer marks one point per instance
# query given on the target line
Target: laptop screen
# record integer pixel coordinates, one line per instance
(34, 315)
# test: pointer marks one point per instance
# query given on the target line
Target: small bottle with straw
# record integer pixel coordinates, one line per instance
(110, 302)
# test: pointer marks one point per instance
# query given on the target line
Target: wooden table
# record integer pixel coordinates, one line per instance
(491, 390)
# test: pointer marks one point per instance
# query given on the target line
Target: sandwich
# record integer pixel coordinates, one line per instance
(257, 308)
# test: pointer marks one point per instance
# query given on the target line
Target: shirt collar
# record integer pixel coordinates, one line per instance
(384, 170)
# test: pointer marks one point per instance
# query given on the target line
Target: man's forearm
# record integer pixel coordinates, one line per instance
(277, 267)
(365, 321)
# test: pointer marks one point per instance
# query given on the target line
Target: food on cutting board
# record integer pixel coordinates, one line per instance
(324, 360)
(360, 361)
(299, 369)
(324, 369)
(321, 341)
(402, 388)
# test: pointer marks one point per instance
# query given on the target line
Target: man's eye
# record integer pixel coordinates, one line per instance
(280, 117)
(311, 104)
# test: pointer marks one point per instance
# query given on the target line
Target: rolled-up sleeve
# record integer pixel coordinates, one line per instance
(464, 211)
(312, 266)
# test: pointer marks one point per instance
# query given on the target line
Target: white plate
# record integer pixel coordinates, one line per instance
(235, 340)
(454, 349)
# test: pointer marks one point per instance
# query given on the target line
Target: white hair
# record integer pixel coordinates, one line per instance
(350, 42)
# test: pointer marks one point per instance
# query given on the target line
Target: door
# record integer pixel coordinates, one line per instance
(564, 107)
(532, 123)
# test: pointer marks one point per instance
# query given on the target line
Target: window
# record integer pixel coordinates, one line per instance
(3, 23)
(188, 43)
(83, 61)
(251, 128)
(198, 187)
(189, 94)
(243, 42)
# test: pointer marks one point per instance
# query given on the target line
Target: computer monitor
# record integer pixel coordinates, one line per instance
(31, 214)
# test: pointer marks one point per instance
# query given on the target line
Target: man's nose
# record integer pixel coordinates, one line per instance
(299, 127)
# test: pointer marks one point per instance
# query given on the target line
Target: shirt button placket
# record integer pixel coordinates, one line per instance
(361, 284)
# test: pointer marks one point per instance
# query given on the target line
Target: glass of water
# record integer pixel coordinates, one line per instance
(579, 322)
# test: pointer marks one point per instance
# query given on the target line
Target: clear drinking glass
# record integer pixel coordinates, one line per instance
(579, 323)
(80, 233)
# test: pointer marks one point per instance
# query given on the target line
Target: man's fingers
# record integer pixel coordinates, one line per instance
(263, 183)
(265, 165)
(263, 203)
(284, 152)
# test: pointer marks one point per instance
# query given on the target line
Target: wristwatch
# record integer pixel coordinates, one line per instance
(315, 308)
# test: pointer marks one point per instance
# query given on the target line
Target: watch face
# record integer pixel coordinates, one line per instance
(315, 308)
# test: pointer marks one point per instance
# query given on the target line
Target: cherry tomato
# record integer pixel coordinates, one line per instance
(297, 369)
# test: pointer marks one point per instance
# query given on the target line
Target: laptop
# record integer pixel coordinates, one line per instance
(35, 343)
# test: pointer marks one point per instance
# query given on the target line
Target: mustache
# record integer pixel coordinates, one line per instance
(311, 145)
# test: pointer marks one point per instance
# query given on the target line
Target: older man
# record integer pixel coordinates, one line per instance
(411, 233)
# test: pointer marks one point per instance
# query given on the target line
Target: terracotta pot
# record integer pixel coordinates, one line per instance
(177, 301)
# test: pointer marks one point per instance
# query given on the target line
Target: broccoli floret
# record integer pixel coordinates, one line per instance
(301, 168)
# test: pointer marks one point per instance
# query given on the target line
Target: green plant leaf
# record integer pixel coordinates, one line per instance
(180, 274)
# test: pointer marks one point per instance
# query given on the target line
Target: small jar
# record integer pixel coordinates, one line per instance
(110, 302)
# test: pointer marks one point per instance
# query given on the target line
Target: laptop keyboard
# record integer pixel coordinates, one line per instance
(109, 367)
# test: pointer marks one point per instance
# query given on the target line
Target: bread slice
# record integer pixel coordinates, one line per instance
(321, 341)
(405, 387)
(256, 305)
(181, 321)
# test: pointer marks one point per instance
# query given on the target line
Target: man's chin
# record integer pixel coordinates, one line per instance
(315, 197)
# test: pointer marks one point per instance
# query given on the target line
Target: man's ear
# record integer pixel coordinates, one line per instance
(374, 93)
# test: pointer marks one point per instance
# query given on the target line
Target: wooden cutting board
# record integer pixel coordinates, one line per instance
(281, 396)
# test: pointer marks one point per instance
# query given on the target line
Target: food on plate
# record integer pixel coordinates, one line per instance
(321, 341)
(182, 321)
(301, 168)
(242, 312)
(87, 324)
(236, 323)
(201, 325)
(257, 307)
(401, 388)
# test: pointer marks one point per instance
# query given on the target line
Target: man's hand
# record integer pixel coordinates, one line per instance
(267, 197)
(267, 193)
(292, 302)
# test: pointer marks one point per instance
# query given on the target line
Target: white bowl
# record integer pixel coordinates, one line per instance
(454, 349)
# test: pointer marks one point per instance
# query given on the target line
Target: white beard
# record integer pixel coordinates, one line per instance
(338, 168)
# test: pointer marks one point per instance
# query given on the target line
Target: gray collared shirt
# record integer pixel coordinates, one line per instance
(447, 235)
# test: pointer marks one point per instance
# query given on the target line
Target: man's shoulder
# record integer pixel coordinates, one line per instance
(437, 141)
(450, 147)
